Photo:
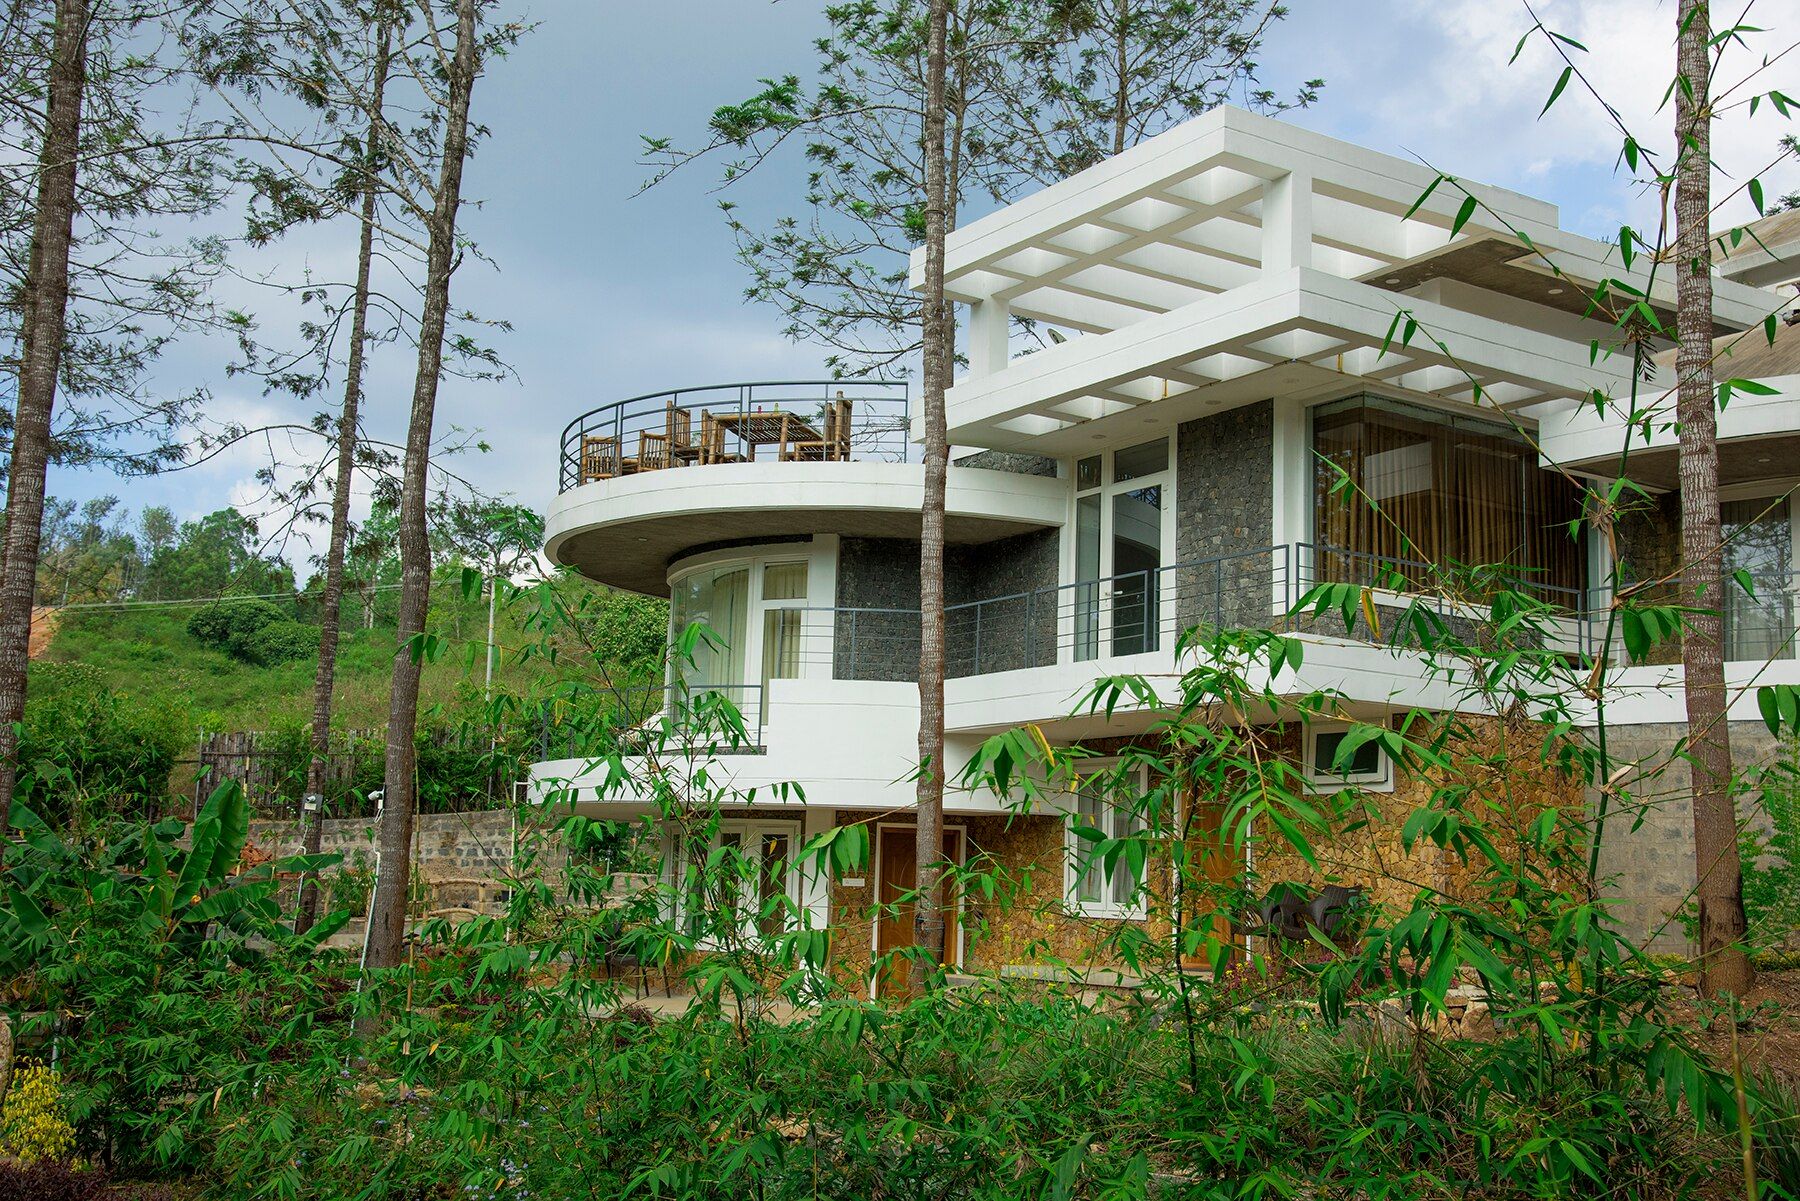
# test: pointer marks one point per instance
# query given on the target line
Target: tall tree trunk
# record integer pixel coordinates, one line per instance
(1724, 967)
(388, 932)
(1122, 65)
(42, 331)
(312, 810)
(928, 911)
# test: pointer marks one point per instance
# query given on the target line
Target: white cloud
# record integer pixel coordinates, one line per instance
(1436, 78)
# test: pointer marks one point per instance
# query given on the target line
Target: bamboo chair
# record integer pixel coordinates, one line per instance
(835, 446)
(653, 451)
(600, 458)
(712, 442)
(678, 428)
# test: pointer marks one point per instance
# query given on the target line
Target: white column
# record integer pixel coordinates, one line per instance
(815, 884)
(1287, 228)
(990, 327)
(1292, 501)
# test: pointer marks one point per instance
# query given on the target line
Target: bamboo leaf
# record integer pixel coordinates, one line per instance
(1562, 81)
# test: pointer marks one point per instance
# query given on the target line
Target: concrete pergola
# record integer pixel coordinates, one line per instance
(1237, 257)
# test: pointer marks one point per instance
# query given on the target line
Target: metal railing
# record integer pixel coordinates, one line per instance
(1148, 611)
(1456, 596)
(696, 426)
(1758, 625)
(1130, 613)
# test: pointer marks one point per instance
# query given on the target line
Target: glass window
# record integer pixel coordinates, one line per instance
(720, 599)
(1137, 560)
(1115, 817)
(1087, 473)
(751, 888)
(1135, 462)
(1365, 760)
(772, 883)
(784, 581)
(1399, 488)
(1087, 573)
(1759, 541)
(1368, 767)
(781, 644)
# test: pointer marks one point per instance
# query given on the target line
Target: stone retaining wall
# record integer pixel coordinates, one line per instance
(1650, 870)
(446, 845)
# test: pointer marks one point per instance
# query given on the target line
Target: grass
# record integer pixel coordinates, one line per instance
(148, 656)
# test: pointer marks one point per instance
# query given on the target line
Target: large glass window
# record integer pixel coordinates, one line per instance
(757, 608)
(1119, 549)
(1759, 541)
(719, 597)
(1401, 488)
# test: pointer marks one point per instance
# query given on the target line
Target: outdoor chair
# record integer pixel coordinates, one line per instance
(834, 447)
(600, 458)
(1288, 914)
(679, 431)
(653, 451)
(712, 442)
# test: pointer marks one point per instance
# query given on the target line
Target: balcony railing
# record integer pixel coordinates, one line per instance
(796, 421)
(1146, 611)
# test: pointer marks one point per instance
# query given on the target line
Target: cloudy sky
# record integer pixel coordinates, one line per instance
(611, 294)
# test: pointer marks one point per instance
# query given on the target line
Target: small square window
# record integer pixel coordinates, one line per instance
(1135, 462)
(1368, 766)
(784, 581)
(1087, 473)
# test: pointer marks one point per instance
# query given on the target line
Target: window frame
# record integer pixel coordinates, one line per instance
(1101, 631)
(1323, 779)
(1447, 414)
(821, 582)
(1137, 909)
(750, 832)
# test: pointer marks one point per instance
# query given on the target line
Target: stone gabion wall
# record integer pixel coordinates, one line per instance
(1225, 498)
(1004, 460)
(880, 576)
(999, 634)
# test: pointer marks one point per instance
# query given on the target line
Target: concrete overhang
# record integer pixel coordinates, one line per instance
(625, 532)
(1759, 437)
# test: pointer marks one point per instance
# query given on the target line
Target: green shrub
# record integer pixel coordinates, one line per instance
(226, 624)
(278, 642)
(1772, 859)
(83, 742)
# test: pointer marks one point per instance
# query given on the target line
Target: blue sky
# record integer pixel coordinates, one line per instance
(611, 294)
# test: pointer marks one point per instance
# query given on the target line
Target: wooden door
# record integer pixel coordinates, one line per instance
(1212, 863)
(896, 874)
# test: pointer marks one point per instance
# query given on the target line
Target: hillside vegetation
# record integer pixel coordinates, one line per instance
(149, 656)
(123, 695)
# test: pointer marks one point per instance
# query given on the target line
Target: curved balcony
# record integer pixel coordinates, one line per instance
(782, 461)
(820, 421)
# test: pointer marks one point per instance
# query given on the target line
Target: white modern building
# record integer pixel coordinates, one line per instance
(1232, 300)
